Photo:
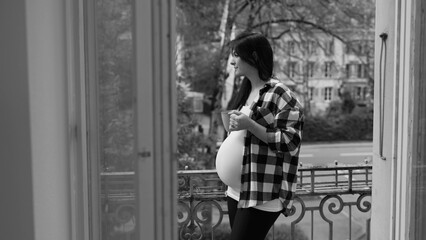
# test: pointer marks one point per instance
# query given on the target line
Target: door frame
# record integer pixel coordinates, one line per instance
(156, 118)
(397, 98)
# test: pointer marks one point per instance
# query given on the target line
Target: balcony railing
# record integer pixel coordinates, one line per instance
(331, 203)
(337, 200)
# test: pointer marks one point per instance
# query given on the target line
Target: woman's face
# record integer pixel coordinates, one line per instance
(242, 68)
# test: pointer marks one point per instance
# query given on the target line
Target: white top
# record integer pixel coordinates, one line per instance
(229, 161)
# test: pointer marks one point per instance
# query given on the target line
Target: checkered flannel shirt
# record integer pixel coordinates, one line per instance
(269, 170)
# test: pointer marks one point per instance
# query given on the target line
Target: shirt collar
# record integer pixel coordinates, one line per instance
(271, 83)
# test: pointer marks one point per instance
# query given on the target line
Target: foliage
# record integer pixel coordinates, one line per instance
(356, 126)
(199, 22)
(197, 25)
(348, 103)
(340, 107)
(201, 64)
(194, 149)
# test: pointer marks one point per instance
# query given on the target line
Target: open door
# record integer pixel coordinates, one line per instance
(399, 139)
(131, 119)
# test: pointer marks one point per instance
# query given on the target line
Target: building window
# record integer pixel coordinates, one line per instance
(350, 48)
(360, 93)
(360, 48)
(357, 47)
(291, 47)
(361, 71)
(292, 69)
(328, 69)
(310, 69)
(329, 47)
(348, 70)
(310, 47)
(311, 93)
(327, 93)
(347, 49)
(355, 70)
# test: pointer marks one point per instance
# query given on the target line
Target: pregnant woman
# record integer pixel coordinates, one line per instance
(258, 160)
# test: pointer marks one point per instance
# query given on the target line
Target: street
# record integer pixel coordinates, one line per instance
(325, 154)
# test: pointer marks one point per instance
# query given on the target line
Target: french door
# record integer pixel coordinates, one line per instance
(131, 120)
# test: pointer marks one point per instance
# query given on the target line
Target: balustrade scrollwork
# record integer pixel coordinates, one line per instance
(323, 194)
(333, 191)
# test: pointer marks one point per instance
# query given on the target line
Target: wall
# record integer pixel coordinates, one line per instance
(33, 125)
(48, 111)
(16, 203)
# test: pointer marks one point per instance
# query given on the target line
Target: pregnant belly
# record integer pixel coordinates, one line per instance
(229, 159)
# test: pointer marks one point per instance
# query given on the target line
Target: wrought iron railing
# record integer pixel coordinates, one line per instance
(331, 203)
(118, 207)
(326, 193)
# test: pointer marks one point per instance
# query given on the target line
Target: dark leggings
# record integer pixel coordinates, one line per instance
(249, 223)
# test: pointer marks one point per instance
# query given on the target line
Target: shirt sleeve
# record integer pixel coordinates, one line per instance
(286, 133)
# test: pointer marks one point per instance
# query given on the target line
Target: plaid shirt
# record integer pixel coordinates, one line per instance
(269, 170)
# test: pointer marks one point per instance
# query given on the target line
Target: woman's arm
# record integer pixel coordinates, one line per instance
(239, 121)
(284, 135)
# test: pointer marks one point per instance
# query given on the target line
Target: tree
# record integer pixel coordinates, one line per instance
(303, 21)
(308, 23)
(194, 148)
(197, 30)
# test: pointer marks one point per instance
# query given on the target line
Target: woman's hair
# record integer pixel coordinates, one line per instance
(254, 49)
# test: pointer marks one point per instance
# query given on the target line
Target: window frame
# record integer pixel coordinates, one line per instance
(311, 93)
(292, 69)
(291, 47)
(310, 66)
(361, 70)
(328, 69)
(77, 115)
(328, 94)
(329, 47)
(396, 135)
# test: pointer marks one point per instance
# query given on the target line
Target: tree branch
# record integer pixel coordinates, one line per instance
(304, 22)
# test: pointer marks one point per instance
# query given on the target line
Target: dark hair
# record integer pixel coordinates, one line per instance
(254, 49)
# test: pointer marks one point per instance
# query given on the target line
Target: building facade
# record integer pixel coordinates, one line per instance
(326, 69)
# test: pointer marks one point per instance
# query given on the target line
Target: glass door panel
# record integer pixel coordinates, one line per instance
(115, 112)
(131, 119)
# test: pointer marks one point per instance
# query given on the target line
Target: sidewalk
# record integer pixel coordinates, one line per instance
(337, 144)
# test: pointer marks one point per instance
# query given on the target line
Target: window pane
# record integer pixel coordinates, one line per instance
(311, 69)
(291, 47)
(292, 69)
(327, 69)
(327, 93)
(115, 110)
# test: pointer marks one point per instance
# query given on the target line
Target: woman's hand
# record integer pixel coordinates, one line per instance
(238, 121)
